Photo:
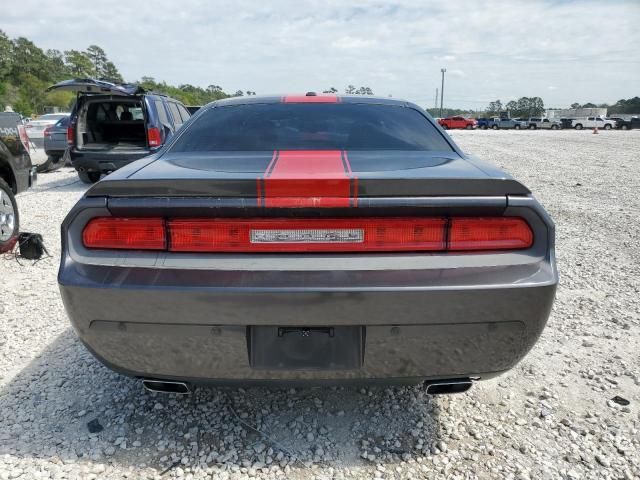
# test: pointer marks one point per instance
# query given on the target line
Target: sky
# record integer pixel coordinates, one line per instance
(563, 51)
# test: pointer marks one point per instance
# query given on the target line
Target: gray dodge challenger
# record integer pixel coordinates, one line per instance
(308, 238)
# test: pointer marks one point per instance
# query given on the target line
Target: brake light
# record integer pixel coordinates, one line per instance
(24, 138)
(70, 135)
(307, 235)
(376, 234)
(125, 233)
(155, 139)
(501, 233)
(47, 131)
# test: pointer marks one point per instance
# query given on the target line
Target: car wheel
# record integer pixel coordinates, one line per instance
(554, 127)
(469, 127)
(578, 126)
(89, 177)
(532, 127)
(444, 127)
(517, 127)
(495, 127)
(607, 126)
(9, 220)
(624, 127)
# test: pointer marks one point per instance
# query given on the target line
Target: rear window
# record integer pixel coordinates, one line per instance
(311, 127)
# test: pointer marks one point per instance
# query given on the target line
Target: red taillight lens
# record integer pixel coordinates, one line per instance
(155, 139)
(307, 235)
(70, 135)
(502, 233)
(47, 131)
(125, 233)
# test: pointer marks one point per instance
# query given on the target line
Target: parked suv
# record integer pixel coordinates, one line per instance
(543, 123)
(16, 174)
(112, 125)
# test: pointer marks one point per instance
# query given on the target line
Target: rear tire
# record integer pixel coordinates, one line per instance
(494, 127)
(89, 177)
(624, 127)
(9, 218)
(469, 127)
(517, 127)
(607, 126)
(578, 126)
(444, 127)
(533, 127)
(554, 127)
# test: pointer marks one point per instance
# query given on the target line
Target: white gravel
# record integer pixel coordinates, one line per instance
(551, 417)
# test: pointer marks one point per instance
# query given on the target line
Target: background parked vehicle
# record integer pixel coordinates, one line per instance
(622, 124)
(457, 122)
(593, 122)
(537, 122)
(484, 123)
(506, 123)
(55, 143)
(36, 127)
(16, 174)
(112, 125)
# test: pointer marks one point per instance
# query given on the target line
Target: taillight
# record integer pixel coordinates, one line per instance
(125, 233)
(501, 233)
(47, 131)
(307, 235)
(24, 138)
(380, 234)
(70, 135)
(154, 137)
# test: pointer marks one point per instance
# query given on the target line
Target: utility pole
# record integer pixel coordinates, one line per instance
(442, 90)
(435, 105)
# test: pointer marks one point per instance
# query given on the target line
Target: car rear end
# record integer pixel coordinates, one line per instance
(108, 132)
(359, 263)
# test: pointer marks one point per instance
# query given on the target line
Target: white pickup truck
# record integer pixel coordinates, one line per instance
(593, 122)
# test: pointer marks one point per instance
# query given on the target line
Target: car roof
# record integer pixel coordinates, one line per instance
(307, 98)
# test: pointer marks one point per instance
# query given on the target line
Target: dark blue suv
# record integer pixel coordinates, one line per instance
(113, 125)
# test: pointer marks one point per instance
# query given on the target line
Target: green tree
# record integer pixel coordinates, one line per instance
(350, 90)
(494, 108)
(28, 59)
(78, 63)
(110, 73)
(331, 90)
(6, 55)
(58, 70)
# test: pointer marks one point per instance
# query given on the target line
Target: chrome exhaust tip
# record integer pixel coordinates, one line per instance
(166, 386)
(447, 387)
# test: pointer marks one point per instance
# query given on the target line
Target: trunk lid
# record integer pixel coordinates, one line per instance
(93, 86)
(308, 178)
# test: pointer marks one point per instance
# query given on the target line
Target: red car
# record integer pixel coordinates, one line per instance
(457, 122)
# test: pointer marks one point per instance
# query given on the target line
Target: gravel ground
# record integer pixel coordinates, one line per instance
(551, 417)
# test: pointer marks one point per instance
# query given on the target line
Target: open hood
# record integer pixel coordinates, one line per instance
(91, 85)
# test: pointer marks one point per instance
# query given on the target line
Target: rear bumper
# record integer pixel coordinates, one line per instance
(104, 162)
(197, 332)
(420, 316)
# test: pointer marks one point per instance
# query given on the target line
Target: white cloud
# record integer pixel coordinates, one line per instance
(499, 47)
(349, 43)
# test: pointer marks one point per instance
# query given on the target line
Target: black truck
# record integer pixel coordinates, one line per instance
(16, 175)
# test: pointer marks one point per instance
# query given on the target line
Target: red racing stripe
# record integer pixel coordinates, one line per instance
(311, 99)
(308, 178)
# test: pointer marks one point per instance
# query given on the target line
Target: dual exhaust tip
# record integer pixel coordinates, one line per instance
(433, 387)
(166, 386)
